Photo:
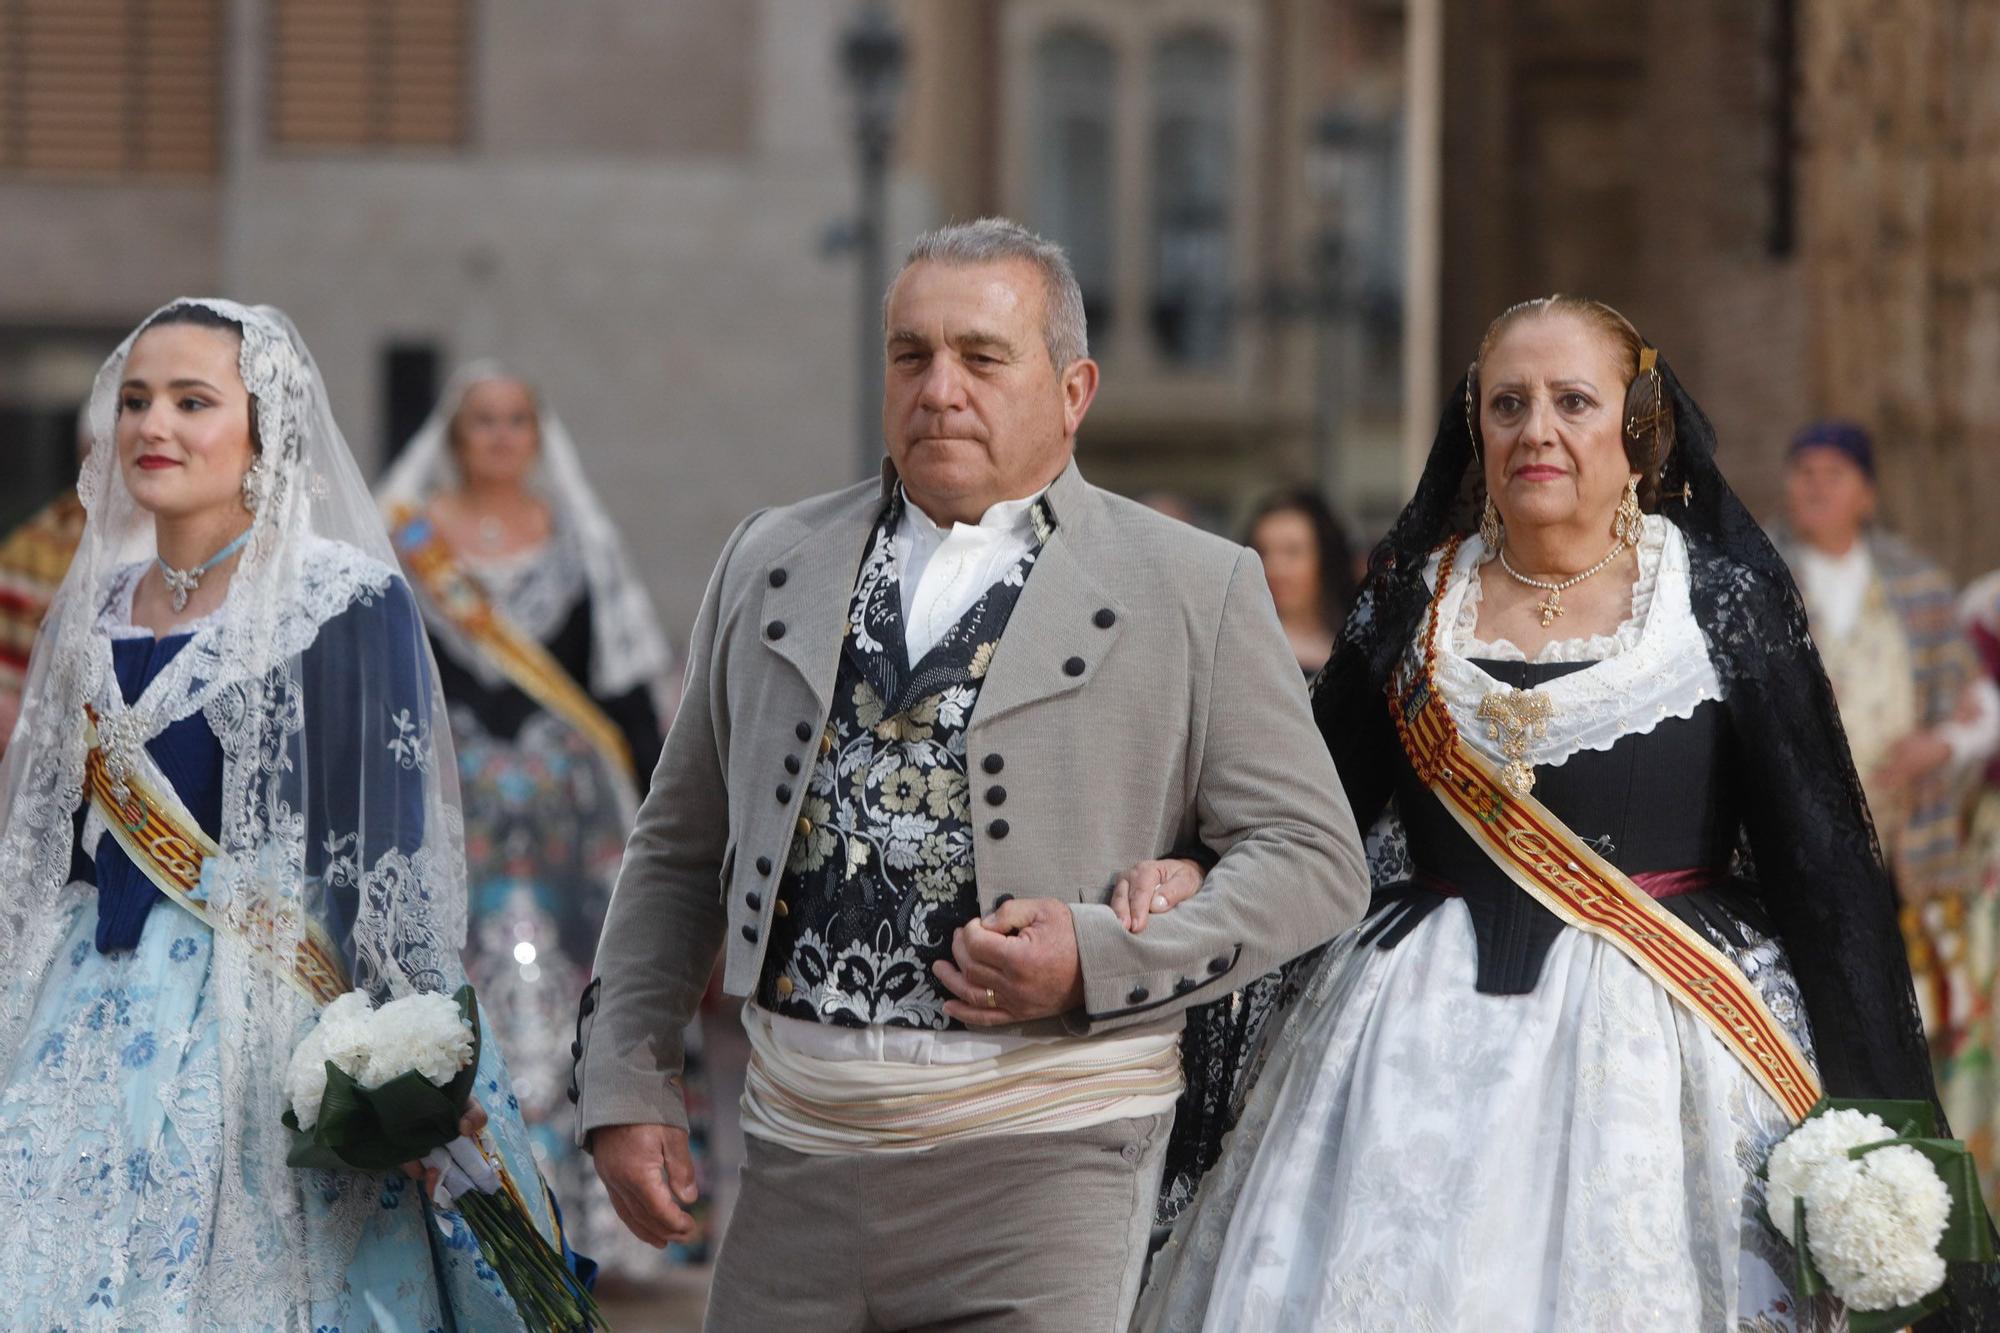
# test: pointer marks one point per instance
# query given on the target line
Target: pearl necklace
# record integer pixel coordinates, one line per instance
(1551, 606)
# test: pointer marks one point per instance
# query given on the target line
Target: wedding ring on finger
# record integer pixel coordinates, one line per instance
(992, 1000)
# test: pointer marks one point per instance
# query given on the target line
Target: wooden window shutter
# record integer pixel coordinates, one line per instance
(110, 87)
(368, 73)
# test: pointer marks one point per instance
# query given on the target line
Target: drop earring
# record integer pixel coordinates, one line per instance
(1630, 523)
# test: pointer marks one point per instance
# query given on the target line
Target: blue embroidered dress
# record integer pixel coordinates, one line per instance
(124, 1049)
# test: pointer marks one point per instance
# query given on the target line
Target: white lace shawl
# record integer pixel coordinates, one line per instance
(1654, 666)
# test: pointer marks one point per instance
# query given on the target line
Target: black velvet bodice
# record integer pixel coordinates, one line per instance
(1656, 801)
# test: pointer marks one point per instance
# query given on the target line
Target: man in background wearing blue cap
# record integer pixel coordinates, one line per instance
(1920, 718)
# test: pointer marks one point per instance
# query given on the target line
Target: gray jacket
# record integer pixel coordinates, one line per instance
(1143, 698)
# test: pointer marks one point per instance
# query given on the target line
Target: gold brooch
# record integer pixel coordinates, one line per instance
(1514, 719)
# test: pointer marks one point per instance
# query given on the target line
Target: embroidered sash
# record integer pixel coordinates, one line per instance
(522, 660)
(145, 815)
(1542, 855)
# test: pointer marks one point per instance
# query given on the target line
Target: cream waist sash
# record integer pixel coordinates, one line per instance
(820, 1089)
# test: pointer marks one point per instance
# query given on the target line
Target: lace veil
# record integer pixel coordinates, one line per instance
(339, 801)
(628, 647)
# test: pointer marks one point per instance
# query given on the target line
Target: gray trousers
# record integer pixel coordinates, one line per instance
(1031, 1233)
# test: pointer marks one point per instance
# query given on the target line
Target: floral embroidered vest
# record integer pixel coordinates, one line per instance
(880, 872)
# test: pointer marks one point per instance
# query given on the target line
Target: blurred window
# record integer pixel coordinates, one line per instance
(1075, 74)
(410, 385)
(109, 87)
(45, 375)
(1193, 147)
(368, 73)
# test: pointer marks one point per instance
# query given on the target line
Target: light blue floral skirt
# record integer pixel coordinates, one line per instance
(110, 1124)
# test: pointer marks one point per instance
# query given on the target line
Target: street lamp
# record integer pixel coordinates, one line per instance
(1339, 137)
(872, 56)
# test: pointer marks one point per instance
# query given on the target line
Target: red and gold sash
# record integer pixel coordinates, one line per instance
(460, 599)
(145, 815)
(1557, 869)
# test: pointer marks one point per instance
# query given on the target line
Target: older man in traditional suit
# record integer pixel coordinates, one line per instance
(927, 724)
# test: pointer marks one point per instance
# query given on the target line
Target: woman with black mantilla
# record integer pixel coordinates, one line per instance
(1475, 1115)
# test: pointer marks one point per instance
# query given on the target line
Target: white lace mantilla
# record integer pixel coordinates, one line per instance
(216, 669)
(1654, 666)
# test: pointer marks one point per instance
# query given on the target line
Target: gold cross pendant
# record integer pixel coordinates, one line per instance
(1551, 608)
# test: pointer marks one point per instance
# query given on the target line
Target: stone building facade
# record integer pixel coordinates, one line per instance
(1901, 207)
(1795, 199)
(632, 202)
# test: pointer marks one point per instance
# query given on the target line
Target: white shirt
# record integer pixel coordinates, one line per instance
(944, 571)
(1836, 588)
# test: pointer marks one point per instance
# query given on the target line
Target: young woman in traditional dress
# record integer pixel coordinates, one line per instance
(231, 797)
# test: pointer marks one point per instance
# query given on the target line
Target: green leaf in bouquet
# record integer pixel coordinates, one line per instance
(461, 1085)
(1905, 1118)
(1892, 1321)
(1806, 1279)
(315, 1147)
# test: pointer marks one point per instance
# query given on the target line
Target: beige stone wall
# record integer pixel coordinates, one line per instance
(1902, 247)
(615, 80)
(1631, 162)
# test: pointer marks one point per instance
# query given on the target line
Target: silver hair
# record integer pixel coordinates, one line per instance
(990, 240)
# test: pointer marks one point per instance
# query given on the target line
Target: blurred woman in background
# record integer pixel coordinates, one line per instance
(1309, 567)
(557, 679)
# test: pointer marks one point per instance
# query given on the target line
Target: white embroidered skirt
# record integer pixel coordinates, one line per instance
(1417, 1156)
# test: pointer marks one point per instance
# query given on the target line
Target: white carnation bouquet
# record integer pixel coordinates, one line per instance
(1874, 1204)
(371, 1089)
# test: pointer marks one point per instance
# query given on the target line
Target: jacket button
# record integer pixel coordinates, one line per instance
(753, 902)
(1073, 667)
(996, 795)
(1105, 618)
(775, 630)
(781, 909)
(805, 827)
(750, 934)
(784, 793)
(574, 1095)
(763, 865)
(777, 578)
(1218, 966)
(993, 763)
(804, 731)
(589, 1005)
(998, 828)
(1137, 995)
(1184, 985)
(576, 1050)
(792, 764)
(784, 987)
